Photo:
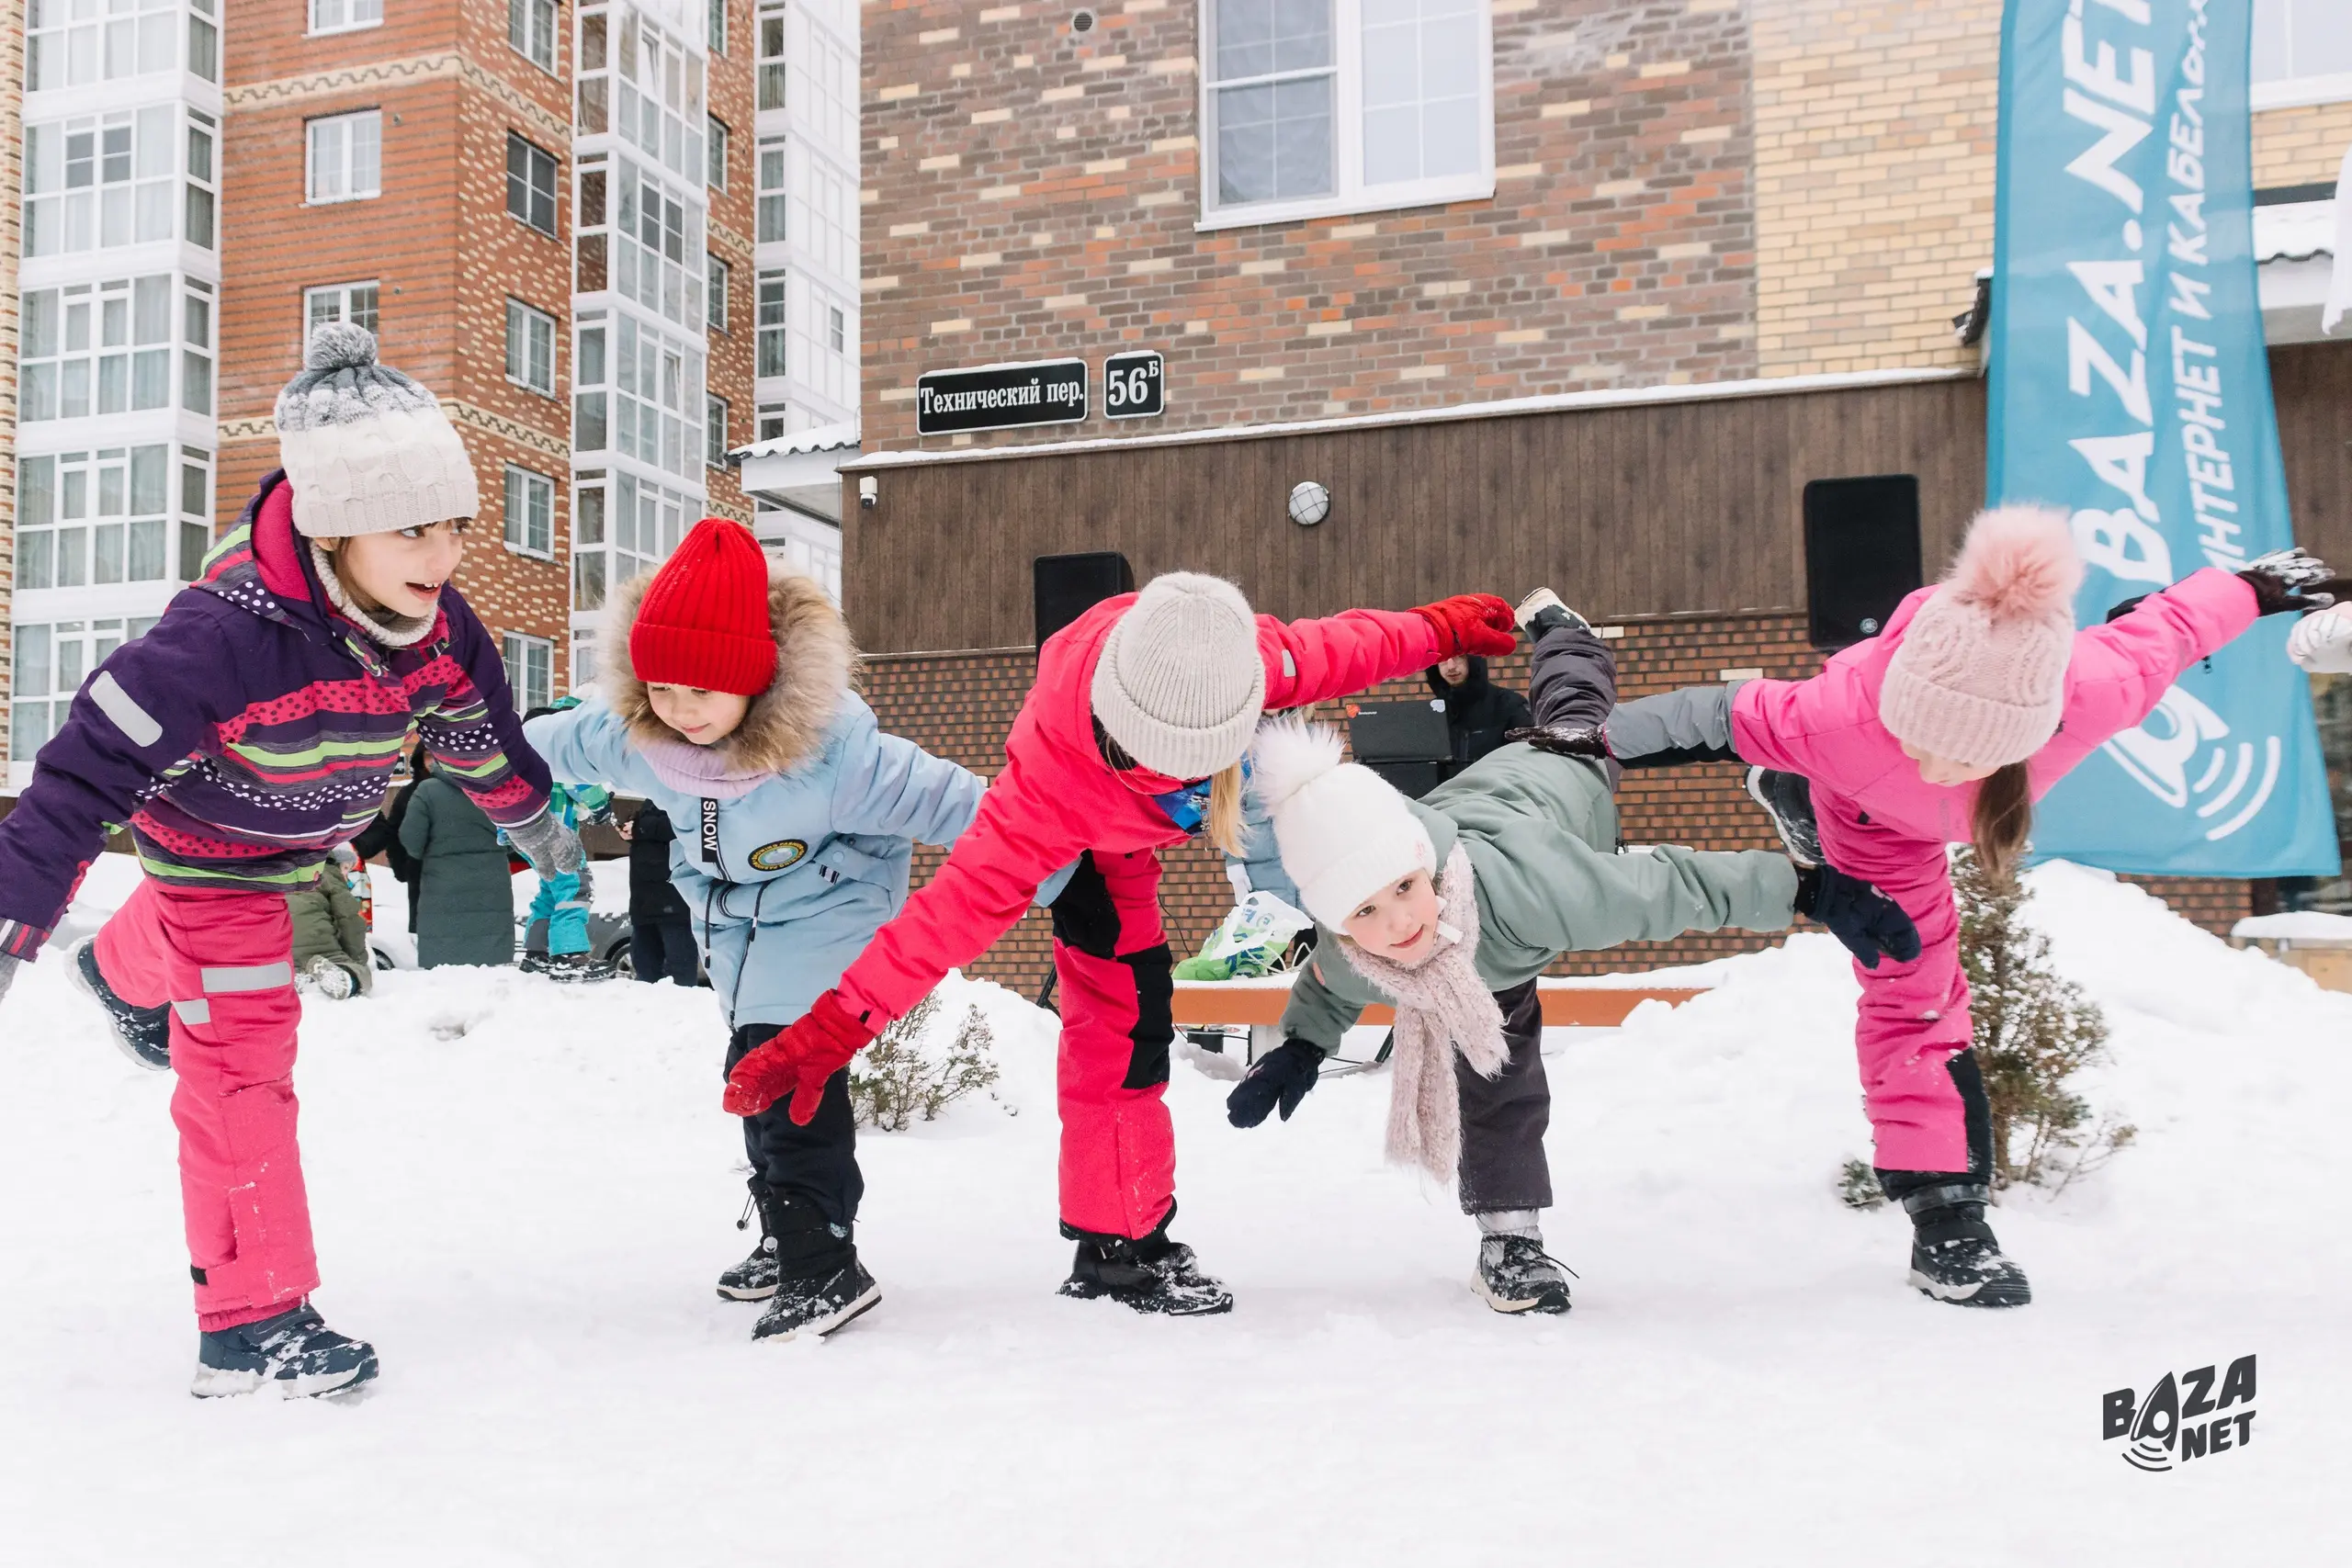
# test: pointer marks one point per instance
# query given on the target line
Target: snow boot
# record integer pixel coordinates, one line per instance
(1787, 799)
(1154, 1275)
(1954, 1256)
(1515, 1274)
(820, 1284)
(294, 1355)
(330, 979)
(1542, 610)
(567, 966)
(754, 1280)
(1564, 739)
(144, 1034)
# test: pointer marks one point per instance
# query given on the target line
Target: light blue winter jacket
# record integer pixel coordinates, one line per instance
(788, 882)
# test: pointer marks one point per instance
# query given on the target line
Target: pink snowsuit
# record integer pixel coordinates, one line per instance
(1880, 820)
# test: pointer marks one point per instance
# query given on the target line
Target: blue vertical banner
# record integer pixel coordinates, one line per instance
(2129, 387)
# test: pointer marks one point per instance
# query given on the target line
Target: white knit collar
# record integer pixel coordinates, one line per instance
(391, 629)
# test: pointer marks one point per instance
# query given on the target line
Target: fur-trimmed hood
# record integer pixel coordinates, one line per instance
(786, 725)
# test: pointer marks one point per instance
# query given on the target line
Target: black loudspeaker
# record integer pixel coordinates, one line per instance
(1065, 587)
(1862, 554)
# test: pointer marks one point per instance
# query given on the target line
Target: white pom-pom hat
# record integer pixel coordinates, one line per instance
(367, 450)
(1981, 677)
(1344, 833)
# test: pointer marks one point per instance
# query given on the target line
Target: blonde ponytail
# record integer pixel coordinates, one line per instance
(1225, 827)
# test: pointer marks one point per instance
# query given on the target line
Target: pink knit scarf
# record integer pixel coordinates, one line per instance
(1442, 1007)
(697, 770)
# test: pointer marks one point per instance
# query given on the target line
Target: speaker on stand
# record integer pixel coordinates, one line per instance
(1861, 555)
(1063, 588)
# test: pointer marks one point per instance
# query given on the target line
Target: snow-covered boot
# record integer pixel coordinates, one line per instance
(1542, 610)
(819, 1285)
(1565, 739)
(1154, 1275)
(294, 1355)
(754, 1280)
(1515, 1274)
(330, 979)
(1787, 799)
(1954, 1256)
(144, 1034)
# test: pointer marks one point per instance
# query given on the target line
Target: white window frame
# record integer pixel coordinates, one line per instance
(715, 434)
(530, 13)
(351, 9)
(529, 484)
(515, 650)
(717, 143)
(2296, 92)
(718, 289)
(530, 319)
(532, 152)
(343, 307)
(1351, 194)
(348, 123)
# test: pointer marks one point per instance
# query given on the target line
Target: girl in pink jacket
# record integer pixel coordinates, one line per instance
(1130, 741)
(1945, 728)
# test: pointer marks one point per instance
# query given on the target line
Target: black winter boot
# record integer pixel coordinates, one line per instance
(754, 1280)
(1787, 799)
(1954, 1256)
(1154, 1275)
(819, 1285)
(294, 1354)
(144, 1034)
(1515, 1274)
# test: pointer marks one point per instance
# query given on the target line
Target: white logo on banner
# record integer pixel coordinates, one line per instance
(2184, 736)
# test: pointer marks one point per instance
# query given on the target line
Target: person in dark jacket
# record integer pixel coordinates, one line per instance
(1478, 713)
(465, 891)
(382, 835)
(661, 932)
(331, 955)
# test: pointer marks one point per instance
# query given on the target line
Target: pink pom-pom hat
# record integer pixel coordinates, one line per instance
(1981, 677)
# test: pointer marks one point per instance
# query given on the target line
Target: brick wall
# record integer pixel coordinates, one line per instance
(2300, 146)
(961, 706)
(12, 155)
(1030, 192)
(729, 90)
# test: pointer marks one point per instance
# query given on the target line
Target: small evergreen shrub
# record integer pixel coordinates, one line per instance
(911, 1075)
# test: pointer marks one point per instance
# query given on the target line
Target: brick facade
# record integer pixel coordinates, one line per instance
(727, 84)
(12, 170)
(1030, 191)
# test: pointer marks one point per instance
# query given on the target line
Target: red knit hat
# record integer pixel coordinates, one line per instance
(704, 619)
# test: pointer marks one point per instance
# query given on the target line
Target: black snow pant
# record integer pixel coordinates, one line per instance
(818, 1162)
(1504, 1118)
(662, 946)
(1574, 682)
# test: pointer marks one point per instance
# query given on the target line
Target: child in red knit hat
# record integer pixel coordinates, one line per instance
(728, 705)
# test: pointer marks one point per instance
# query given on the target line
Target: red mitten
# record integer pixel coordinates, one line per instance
(797, 1062)
(1470, 623)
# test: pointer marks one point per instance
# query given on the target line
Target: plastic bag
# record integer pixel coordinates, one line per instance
(1254, 940)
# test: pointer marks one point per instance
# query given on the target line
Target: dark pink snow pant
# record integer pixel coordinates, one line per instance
(224, 961)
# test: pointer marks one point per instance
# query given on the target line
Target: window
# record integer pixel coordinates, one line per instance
(346, 156)
(530, 512)
(715, 137)
(822, 333)
(824, 213)
(346, 16)
(825, 78)
(196, 356)
(530, 348)
(51, 662)
(99, 348)
(715, 295)
(70, 44)
(652, 87)
(590, 426)
(774, 324)
(200, 193)
(95, 517)
(530, 670)
(622, 527)
(771, 420)
(774, 195)
(655, 235)
(715, 22)
(531, 28)
(583, 661)
(203, 42)
(713, 424)
(1341, 106)
(196, 511)
(101, 181)
(840, 337)
(530, 184)
(2302, 52)
(772, 62)
(353, 302)
(639, 394)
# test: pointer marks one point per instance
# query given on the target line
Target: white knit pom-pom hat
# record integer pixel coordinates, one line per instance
(367, 450)
(1343, 832)
(1179, 685)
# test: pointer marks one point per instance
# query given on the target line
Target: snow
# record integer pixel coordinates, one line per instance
(523, 1192)
(2297, 926)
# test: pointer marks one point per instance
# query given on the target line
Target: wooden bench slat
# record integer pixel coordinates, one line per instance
(1199, 1004)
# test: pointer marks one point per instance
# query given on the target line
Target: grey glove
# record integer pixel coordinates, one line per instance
(552, 848)
(8, 965)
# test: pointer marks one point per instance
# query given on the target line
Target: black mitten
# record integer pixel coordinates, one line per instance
(1282, 1077)
(1868, 921)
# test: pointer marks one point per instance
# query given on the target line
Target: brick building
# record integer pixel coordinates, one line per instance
(1577, 291)
(549, 216)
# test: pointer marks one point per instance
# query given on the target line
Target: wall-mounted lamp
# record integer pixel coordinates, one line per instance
(1309, 504)
(869, 492)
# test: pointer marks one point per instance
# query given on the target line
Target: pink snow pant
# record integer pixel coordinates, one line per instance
(224, 960)
(1914, 1018)
(1116, 984)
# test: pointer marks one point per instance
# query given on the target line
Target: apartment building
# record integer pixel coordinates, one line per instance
(558, 217)
(1575, 291)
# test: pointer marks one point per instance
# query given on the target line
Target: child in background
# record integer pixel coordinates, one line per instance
(331, 932)
(728, 705)
(247, 734)
(564, 901)
(661, 927)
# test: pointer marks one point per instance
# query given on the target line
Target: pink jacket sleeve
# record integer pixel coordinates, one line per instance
(1314, 662)
(2119, 670)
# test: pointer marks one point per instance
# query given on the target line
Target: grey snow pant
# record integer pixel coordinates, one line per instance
(1504, 1118)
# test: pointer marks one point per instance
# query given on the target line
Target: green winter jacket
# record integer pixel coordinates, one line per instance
(1541, 833)
(327, 923)
(464, 901)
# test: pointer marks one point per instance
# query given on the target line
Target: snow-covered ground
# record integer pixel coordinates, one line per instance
(523, 1192)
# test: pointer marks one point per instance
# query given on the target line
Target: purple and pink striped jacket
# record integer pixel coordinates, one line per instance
(253, 729)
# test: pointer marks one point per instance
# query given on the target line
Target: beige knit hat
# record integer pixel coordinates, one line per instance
(1180, 685)
(1343, 832)
(367, 450)
(1980, 678)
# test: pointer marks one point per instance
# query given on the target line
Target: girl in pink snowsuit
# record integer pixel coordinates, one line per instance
(1975, 700)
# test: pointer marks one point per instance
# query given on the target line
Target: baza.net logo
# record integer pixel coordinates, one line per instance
(2182, 1417)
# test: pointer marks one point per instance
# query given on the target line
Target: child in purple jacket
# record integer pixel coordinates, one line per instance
(247, 735)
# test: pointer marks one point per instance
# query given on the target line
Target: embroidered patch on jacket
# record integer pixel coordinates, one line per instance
(776, 856)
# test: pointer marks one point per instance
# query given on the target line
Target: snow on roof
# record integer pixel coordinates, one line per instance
(2294, 231)
(817, 438)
